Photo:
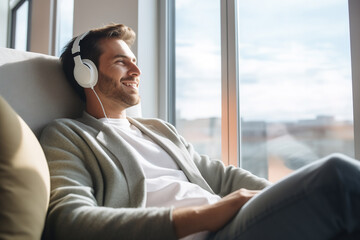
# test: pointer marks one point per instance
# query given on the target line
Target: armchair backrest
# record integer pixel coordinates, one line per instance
(35, 87)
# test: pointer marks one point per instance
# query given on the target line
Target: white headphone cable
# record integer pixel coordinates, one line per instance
(102, 107)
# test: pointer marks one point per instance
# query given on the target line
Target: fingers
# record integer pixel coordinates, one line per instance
(247, 192)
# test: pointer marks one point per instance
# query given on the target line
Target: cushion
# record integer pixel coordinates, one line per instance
(24, 179)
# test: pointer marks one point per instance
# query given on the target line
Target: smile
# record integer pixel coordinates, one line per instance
(131, 84)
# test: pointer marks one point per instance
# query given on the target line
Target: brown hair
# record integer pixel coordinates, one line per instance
(91, 49)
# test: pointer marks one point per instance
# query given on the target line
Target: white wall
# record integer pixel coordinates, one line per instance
(90, 14)
(41, 24)
(141, 16)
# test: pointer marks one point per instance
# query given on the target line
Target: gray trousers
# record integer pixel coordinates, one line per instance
(318, 201)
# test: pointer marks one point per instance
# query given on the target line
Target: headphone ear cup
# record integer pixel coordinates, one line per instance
(93, 72)
(86, 73)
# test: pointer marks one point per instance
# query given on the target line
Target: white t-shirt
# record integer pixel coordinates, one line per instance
(166, 183)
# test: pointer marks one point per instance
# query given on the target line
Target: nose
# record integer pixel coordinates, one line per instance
(134, 70)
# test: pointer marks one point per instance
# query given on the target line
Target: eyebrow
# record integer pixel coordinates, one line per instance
(124, 56)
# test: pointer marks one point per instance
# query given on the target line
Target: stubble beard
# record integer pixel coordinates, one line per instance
(110, 88)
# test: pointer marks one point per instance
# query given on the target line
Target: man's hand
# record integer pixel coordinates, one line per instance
(212, 217)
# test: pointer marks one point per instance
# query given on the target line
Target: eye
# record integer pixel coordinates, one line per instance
(120, 61)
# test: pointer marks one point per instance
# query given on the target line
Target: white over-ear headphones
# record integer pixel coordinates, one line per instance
(85, 71)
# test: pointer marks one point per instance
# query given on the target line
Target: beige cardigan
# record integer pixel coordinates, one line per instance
(98, 189)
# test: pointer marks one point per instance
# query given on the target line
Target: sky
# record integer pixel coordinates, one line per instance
(294, 59)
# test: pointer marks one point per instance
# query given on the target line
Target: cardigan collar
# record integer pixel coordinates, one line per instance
(171, 143)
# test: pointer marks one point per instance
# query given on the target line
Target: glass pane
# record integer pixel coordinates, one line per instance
(65, 24)
(294, 83)
(198, 74)
(21, 27)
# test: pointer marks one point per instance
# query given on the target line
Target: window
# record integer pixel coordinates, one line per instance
(198, 74)
(285, 85)
(20, 15)
(295, 87)
(64, 30)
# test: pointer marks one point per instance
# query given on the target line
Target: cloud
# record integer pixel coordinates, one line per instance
(295, 83)
(198, 59)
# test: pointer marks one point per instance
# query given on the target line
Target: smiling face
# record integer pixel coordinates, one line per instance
(119, 76)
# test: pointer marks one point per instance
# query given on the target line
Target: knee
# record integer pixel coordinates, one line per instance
(338, 166)
(339, 161)
(334, 161)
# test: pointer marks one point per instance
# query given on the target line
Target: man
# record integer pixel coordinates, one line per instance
(114, 177)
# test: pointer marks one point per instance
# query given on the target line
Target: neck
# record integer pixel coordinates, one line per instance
(98, 113)
(100, 107)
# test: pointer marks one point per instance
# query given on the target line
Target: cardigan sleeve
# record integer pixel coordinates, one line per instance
(75, 211)
(226, 179)
(222, 179)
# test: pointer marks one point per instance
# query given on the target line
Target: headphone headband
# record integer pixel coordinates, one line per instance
(76, 45)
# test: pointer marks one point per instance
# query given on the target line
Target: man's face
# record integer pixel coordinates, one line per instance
(118, 73)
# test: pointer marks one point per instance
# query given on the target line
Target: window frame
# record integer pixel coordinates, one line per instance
(14, 6)
(230, 140)
(167, 61)
(354, 22)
